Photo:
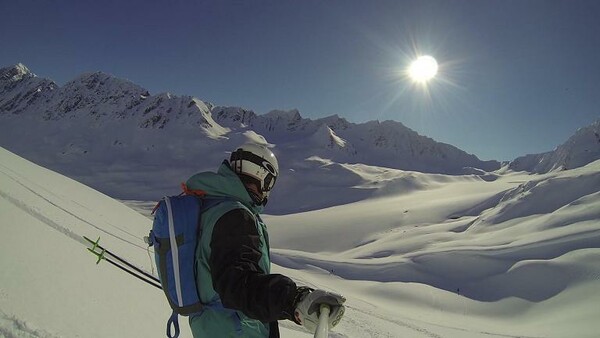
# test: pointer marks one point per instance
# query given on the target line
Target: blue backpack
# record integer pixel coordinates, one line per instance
(174, 235)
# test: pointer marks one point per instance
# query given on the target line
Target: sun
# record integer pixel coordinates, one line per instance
(423, 69)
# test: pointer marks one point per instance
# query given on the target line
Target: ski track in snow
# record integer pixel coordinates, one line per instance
(78, 238)
(65, 231)
(12, 327)
(23, 206)
(38, 215)
(365, 319)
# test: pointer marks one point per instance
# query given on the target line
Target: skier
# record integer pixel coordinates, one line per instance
(241, 297)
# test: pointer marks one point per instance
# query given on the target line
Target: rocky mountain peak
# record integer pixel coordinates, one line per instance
(15, 73)
(292, 115)
(233, 116)
(20, 89)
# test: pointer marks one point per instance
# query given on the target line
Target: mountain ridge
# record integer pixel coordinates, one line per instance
(580, 149)
(102, 96)
(105, 131)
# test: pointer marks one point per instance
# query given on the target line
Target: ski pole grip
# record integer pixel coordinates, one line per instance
(323, 326)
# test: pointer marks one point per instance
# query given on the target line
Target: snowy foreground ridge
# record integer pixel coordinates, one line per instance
(426, 255)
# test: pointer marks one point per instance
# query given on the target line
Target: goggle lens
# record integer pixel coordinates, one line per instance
(269, 182)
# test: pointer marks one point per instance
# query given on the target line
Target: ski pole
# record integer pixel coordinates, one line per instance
(121, 263)
(104, 251)
(132, 273)
(323, 326)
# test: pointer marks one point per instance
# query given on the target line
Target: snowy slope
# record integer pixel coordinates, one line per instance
(50, 286)
(424, 255)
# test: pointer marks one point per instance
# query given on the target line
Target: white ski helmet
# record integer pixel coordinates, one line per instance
(256, 162)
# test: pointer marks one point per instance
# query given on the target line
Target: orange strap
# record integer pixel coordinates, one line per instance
(195, 192)
(155, 208)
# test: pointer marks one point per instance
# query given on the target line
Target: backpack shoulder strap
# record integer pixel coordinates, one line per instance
(208, 202)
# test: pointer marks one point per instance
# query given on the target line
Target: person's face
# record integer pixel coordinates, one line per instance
(252, 186)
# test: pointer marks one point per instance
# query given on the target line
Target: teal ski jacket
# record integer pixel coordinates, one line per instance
(241, 297)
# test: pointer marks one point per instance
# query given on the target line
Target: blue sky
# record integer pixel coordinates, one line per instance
(516, 77)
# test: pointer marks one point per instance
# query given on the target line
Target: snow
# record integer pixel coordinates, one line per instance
(416, 255)
(47, 282)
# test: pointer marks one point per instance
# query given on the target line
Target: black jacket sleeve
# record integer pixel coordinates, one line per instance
(237, 277)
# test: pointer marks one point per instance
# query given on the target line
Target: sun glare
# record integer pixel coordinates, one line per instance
(423, 69)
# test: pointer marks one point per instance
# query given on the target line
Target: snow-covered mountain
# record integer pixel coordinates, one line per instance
(579, 150)
(108, 132)
(21, 89)
(115, 136)
(388, 143)
(98, 96)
